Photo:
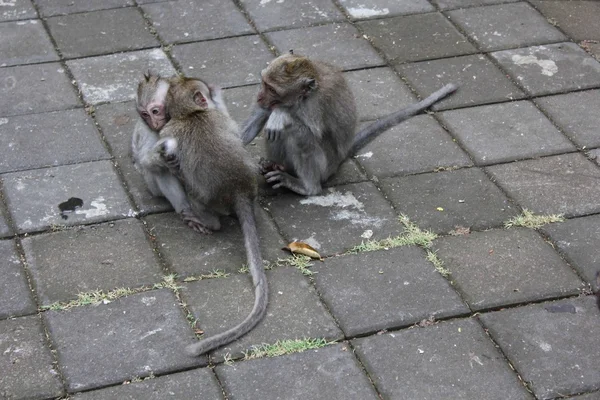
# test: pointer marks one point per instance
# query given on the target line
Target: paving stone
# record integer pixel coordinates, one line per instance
(417, 145)
(589, 396)
(450, 4)
(378, 92)
(337, 219)
(577, 239)
(35, 88)
(550, 344)
(134, 336)
(578, 19)
(49, 8)
(240, 101)
(564, 184)
(551, 69)
(25, 42)
(339, 44)
(505, 26)
(466, 196)
(15, 296)
(505, 132)
(348, 172)
(430, 363)
(575, 114)
(4, 228)
(49, 139)
(187, 21)
(117, 121)
(502, 267)
(478, 80)
(223, 250)
(408, 290)
(194, 384)
(85, 259)
(402, 38)
(361, 9)
(268, 15)
(14, 10)
(100, 32)
(115, 77)
(34, 197)
(226, 62)
(331, 372)
(294, 310)
(26, 362)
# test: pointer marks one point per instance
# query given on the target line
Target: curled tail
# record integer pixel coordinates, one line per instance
(245, 213)
(368, 133)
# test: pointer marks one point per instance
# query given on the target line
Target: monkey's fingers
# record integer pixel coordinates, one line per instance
(198, 227)
(273, 135)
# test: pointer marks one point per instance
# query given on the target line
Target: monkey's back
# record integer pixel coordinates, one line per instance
(214, 164)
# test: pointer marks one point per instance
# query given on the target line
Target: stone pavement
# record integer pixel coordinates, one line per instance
(102, 286)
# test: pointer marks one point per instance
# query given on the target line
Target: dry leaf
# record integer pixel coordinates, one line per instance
(198, 331)
(460, 231)
(303, 248)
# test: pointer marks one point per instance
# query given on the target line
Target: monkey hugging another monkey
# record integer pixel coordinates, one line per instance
(190, 151)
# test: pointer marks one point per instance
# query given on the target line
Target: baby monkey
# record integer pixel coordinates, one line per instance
(151, 106)
(201, 145)
(310, 118)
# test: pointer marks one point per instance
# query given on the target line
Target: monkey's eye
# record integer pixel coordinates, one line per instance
(155, 111)
(271, 90)
(145, 114)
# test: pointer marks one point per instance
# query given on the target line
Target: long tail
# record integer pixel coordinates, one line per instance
(368, 133)
(245, 213)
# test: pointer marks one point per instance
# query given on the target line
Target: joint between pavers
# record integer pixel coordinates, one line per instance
(257, 31)
(164, 46)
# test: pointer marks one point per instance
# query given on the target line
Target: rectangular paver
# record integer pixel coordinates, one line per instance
(268, 15)
(363, 9)
(16, 10)
(15, 295)
(578, 19)
(50, 8)
(25, 42)
(331, 372)
(451, 4)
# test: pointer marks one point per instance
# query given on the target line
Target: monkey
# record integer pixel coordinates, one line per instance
(150, 104)
(218, 173)
(309, 115)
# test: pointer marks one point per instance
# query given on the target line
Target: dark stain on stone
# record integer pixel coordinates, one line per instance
(69, 206)
(560, 308)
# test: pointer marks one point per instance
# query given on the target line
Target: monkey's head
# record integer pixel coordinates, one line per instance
(188, 95)
(151, 100)
(288, 79)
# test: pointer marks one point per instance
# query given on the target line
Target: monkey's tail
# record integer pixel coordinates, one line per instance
(368, 133)
(244, 208)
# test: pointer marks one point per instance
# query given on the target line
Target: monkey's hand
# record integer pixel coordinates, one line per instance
(167, 148)
(268, 166)
(278, 121)
(192, 221)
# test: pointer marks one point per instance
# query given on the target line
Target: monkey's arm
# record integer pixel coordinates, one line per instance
(278, 121)
(254, 124)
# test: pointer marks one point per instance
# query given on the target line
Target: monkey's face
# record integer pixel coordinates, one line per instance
(151, 102)
(286, 81)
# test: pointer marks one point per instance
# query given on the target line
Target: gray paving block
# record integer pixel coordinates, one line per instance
(134, 336)
(328, 373)
(550, 344)
(589, 396)
(115, 77)
(408, 290)
(575, 114)
(15, 296)
(117, 121)
(505, 132)
(225, 62)
(578, 19)
(505, 26)
(348, 172)
(14, 10)
(479, 81)
(34, 197)
(449, 360)
(417, 145)
(194, 384)
(502, 267)
(551, 68)
(49, 139)
(466, 198)
(35, 88)
(191, 253)
(4, 228)
(101, 32)
(25, 42)
(268, 15)
(337, 219)
(339, 44)
(50, 8)
(294, 310)
(361, 9)
(84, 259)
(563, 184)
(417, 37)
(378, 92)
(451, 4)
(188, 21)
(577, 239)
(26, 362)
(240, 101)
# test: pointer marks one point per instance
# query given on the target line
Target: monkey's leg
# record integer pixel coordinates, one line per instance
(254, 124)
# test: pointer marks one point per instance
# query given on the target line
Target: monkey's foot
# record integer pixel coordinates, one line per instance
(279, 179)
(268, 166)
(195, 223)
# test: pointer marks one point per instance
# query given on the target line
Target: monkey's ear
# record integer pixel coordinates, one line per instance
(199, 99)
(309, 84)
(291, 51)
